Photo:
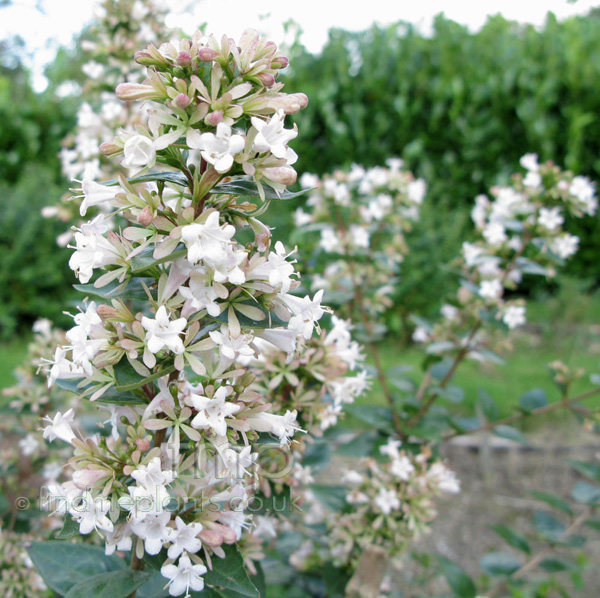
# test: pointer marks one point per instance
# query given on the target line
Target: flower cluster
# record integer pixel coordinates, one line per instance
(389, 502)
(315, 383)
(519, 232)
(18, 576)
(193, 291)
(360, 217)
(29, 399)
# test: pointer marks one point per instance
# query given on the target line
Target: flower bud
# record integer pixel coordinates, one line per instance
(228, 535)
(285, 175)
(182, 101)
(214, 118)
(106, 311)
(136, 91)
(146, 216)
(211, 537)
(267, 79)
(184, 58)
(86, 478)
(280, 62)
(110, 148)
(206, 54)
(143, 444)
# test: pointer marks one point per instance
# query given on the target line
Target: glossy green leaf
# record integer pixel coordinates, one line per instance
(458, 580)
(548, 526)
(145, 259)
(63, 565)
(510, 433)
(532, 400)
(553, 500)
(131, 291)
(589, 469)
(115, 584)
(128, 379)
(69, 529)
(230, 573)
(487, 405)
(586, 493)
(499, 564)
(167, 177)
(515, 539)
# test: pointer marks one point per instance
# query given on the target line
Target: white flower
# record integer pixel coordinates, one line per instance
(271, 136)
(494, 233)
(445, 478)
(514, 316)
(200, 296)
(471, 253)
(420, 334)
(28, 445)
(530, 162)
(416, 191)
(60, 427)
(184, 576)
(184, 538)
(152, 475)
(402, 468)
(359, 236)
(301, 218)
(206, 240)
(550, 218)
(306, 312)
(119, 539)
(139, 152)
(449, 311)
(212, 412)
(329, 240)
(90, 513)
(491, 289)
(565, 245)
(582, 188)
(220, 149)
(161, 332)
(387, 501)
(234, 520)
(277, 270)
(153, 530)
(282, 426)
(95, 194)
(533, 180)
(232, 346)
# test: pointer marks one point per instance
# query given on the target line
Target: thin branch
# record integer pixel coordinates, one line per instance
(566, 402)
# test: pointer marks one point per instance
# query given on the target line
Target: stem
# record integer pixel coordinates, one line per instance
(533, 562)
(137, 564)
(429, 399)
(566, 402)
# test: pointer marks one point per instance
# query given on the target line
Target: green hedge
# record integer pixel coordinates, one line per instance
(459, 107)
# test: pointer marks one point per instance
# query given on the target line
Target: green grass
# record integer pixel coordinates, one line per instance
(570, 334)
(12, 353)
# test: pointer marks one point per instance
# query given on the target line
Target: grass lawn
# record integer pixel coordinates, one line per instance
(12, 353)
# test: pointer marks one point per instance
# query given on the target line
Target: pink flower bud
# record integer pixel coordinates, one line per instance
(206, 54)
(214, 118)
(184, 58)
(182, 101)
(285, 175)
(267, 79)
(211, 537)
(280, 62)
(146, 216)
(229, 536)
(86, 478)
(106, 311)
(143, 444)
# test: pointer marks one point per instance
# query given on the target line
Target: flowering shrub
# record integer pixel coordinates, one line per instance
(187, 303)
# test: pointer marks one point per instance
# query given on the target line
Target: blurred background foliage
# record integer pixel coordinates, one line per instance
(459, 107)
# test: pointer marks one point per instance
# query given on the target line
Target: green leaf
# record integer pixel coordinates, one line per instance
(280, 502)
(332, 497)
(588, 469)
(69, 529)
(499, 563)
(115, 584)
(515, 539)
(372, 415)
(553, 500)
(132, 290)
(167, 177)
(586, 493)
(270, 321)
(510, 433)
(248, 188)
(594, 524)
(532, 400)
(556, 565)
(63, 565)
(71, 385)
(230, 573)
(128, 379)
(487, 405)
(454, 394)
(145, 259)
(548, 526)
(462, 585)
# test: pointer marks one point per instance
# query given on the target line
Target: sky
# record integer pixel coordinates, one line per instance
(62, 19)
